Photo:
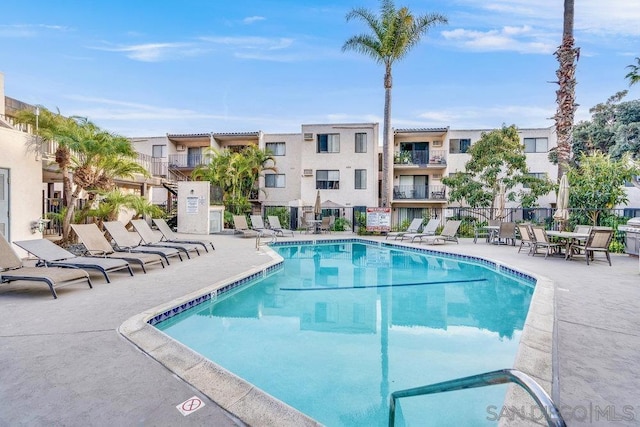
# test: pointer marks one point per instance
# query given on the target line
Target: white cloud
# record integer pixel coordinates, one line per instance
(251, 42)
(154, 52)
(252, 19)
(519, 39)
(26, 31)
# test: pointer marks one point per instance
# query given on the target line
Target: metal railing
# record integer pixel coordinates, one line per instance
(419, 192)
(504, 376)
(420, 157)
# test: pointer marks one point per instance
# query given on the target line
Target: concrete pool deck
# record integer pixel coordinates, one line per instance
(63, 362)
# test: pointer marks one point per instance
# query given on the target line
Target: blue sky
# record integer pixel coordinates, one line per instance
(143, 68)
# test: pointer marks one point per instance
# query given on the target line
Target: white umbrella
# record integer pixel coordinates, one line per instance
(562, 203)
(501, 201)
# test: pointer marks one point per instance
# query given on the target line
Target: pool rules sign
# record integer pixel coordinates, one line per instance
(379, 220)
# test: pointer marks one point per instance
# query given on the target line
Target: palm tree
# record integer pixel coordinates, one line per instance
(567, 56)
(88, 157)
(392, 36)
(634, 74)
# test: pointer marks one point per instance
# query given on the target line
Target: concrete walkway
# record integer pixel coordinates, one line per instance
(63, 362)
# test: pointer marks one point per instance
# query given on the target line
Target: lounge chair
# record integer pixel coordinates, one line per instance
(542, 241)
(257, 224)
(448, 233)
(169, 235)
(150, 239)
(598, 241)
(97, 245)
(274, 223)
(52, 255)
(241, 226)
(130, 242)
(55, 277)
(414, 227)
(427, 230)
(526, 237)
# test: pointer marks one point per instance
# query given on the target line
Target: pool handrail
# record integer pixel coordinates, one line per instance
(503, 376)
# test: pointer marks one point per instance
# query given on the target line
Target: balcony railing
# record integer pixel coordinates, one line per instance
(420, 157)
(419, 192)
(187, 160)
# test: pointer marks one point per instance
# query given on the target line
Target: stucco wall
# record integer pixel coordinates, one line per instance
(25, 188)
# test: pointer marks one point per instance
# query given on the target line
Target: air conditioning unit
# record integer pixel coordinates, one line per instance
(308, 137)
(436, 144)
(179, 147)
(307, 172)
(436, 176)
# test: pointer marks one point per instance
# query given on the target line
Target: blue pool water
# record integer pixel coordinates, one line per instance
(341, 326)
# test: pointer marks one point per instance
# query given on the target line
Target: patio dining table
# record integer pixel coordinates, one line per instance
(491, 232)
(567, 237)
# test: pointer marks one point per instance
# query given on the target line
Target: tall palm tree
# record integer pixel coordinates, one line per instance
(634, 74)
(567, 56)
(392, 36)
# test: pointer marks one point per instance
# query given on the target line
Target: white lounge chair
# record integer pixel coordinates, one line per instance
(130, 242)
(150, 239)
(274, 223)
(414, 227)
(169, 236)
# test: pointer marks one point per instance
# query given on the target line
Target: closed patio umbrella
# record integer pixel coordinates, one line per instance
(317, 208)
(501, 201)
(562, 203)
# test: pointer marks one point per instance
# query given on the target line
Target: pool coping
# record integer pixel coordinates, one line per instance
(255, 407)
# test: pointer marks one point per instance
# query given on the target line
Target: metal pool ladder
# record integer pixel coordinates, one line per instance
(503, 376)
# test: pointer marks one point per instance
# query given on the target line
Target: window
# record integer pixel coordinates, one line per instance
(536, 145)
(538, 175)
(361, 142)
(329, 143)
(327, 180)
(158, 151)
(274, 180)
(361, 179)
(277, 148)
(459, 145)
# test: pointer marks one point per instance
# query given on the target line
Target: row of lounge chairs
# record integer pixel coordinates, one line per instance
(428, 233)
(258, 228)
(58, 267)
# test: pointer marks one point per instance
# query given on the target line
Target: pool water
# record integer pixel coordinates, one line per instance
(341, 326)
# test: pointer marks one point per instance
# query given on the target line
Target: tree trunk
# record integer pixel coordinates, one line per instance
(387, 143)
(566, 54)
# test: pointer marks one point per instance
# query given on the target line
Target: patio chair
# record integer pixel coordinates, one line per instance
(427, 230)
(414, 227)
(257, 224)
(55, 277)
(325, 225)
(51, 255)
(526, 237)
(274, 223)
(448, 233)
(130, 242)
(169, 236)
(97, 245)
(506, 234)
(598, 241)
(542, 241)
(149, 238)
(241, 226)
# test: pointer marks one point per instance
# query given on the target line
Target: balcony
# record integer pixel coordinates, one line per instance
(419, 192)
(187, 161)
(434, 159)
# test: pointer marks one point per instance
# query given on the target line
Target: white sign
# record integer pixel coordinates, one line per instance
(192, 205)
(379, 219)
(190, 405)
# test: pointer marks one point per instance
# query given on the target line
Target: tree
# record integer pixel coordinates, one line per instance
(565, 95)
(236, 174)
(392, 36)
(497, 158)
(613, 129)
(634, 74)
(597, 183)
(89, 158)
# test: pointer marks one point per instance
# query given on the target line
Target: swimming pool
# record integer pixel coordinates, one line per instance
(342, 325)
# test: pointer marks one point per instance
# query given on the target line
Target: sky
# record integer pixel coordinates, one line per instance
(148, 68)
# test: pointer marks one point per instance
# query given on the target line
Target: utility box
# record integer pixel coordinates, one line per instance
(193, 207)
(216, 219)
